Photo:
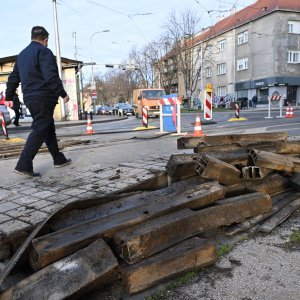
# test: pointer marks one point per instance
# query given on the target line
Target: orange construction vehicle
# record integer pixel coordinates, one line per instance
(148, 98)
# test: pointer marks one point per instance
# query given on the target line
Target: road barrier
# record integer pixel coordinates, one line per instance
(275, 101)
(169, 108)
(5, 132)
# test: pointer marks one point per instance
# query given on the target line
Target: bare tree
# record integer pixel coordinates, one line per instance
(186, 54)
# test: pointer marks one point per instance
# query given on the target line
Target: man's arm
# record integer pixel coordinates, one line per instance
(49, 70)
(12, 83)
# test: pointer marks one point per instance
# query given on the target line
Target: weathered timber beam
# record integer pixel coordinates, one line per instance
(72, 276)
(278, 202)
(54, 246)
(211, 168)
(236, 199)
(186, 256)
(235, 190)
(189, 142)
(235, 157)
(275, 161)
(158, 181)
(272, 184)
(294, 181)
(279, 217)
(267, 146)
(181, 166)
(287, 147)
(120, 203)
(143, 240)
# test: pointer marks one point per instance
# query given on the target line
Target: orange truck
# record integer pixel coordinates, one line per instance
(148, 98)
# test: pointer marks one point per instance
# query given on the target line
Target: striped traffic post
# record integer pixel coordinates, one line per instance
(208, 102)
(275, 100)
(5, 132)
(145, 116)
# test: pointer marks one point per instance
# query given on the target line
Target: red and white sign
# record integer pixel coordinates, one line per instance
(168, 101)
(208, 106)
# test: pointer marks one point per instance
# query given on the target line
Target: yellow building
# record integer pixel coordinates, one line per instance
(70, 81)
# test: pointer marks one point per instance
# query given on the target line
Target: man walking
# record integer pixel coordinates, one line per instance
(37, 70)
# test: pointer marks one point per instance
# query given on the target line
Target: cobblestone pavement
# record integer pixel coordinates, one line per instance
(24, 205)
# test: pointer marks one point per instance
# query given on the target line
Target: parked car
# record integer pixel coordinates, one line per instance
(104, 110)
(123, 108)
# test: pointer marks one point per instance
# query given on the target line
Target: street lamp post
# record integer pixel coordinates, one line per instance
(93, 83)
(93, 88)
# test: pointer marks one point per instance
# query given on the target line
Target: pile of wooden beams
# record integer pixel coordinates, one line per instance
(147, 237)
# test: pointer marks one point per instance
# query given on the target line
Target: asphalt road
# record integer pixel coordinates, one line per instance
(116, 142)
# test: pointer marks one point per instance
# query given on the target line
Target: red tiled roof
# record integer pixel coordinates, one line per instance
(249, 13)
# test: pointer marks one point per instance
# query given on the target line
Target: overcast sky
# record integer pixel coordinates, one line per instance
(130, 23)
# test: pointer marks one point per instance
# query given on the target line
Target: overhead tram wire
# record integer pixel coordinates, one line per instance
(129, 16)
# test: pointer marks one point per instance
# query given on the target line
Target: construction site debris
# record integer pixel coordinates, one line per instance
(143, 240)
(211, 168)
(275, 161)
(72, 276)
(188, 255)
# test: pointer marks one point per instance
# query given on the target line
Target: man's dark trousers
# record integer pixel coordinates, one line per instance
(43, 130)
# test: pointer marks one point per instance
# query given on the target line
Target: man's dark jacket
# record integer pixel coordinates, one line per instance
(37, 70)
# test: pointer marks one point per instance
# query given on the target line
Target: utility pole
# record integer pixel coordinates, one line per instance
(79, 84)
(58, 56)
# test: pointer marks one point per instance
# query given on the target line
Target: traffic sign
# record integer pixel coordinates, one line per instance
(208, 87)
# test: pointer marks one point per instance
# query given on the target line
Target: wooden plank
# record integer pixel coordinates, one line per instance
(189, 142)
(143, 240)
(275, 161)
(119, 203)
(279, 217)
(188, 255)
(278, 202)
(54, 246)
(236, 199)
(73, 276)
(235, 157)
(181, 166)
(211, 168)
(294, 181)
(235, 190)
(272, 184)
(287, 147)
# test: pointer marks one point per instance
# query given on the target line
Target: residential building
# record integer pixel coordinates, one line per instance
(255, 51)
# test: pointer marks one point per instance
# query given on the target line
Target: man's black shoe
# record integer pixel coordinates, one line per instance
(62, 164)
(27, 174)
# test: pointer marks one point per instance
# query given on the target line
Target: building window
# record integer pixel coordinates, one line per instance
(221, 69)
(294, 27)
(208, 72)
(242, 64)
(293, 57)
(221, 91)
(221, 45)
(242, 38)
